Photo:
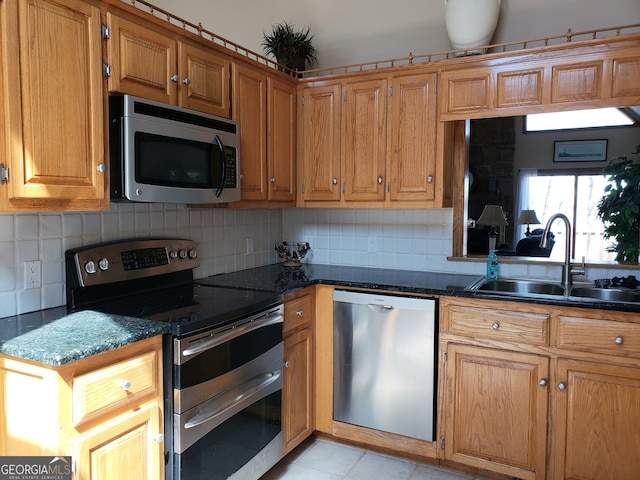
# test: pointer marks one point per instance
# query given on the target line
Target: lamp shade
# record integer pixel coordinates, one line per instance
(528, 217)
(493, 216)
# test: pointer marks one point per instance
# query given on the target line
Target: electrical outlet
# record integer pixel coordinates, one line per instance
(372, 244)
(32, 274)
(249, 246)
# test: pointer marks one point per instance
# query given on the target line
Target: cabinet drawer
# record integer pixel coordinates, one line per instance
(599, 336)
(109, 388)
(502, 325)
(297, 312)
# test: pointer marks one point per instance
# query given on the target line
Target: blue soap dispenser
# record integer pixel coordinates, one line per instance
(492, 266)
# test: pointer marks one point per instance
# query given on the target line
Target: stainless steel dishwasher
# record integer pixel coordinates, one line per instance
(384, 355)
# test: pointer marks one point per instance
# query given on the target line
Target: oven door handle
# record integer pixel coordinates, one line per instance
(202, 345)
(227, 400)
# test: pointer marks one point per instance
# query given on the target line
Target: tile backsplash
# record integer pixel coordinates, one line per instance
(221, 234)
(409, 239)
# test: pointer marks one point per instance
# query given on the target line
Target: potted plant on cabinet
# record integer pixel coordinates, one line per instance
(292, 48)
(619, 208)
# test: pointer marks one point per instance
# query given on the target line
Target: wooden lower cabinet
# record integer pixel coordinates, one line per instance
(105, 411)
(298, 391)
(497, 410)
(537, 391)
(597, 421)
(120, 449)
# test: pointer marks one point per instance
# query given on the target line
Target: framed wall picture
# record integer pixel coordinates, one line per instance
(580, 151)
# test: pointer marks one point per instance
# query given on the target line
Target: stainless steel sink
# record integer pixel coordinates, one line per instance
(518, 287)
(531, 288)
(606, 294)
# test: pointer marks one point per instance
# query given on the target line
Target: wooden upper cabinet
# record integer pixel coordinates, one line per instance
(365, 140)
(593, 80)
(150, 62)
(142, 60)
(320, 113)
(204, 78)
(626, 72)
(412, 137)
(371, 142)
(281, 140)
(519, 88)
(250, 111)
(577, 82)
(53, 106)
(467, 92)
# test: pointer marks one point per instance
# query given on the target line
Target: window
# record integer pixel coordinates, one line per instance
(601, 117)
(549, 192)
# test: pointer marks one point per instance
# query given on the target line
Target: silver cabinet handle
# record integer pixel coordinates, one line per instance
(619, 340)
(495, 325)
(102, 168)
(299, 313)
(562, 386)
(286, 364)
(429, 179)
(125, 385)
(334, 181)
(174, 77)
(380, 180)
(273, 180)
(186, 81)
(543, 382)
(158, 438)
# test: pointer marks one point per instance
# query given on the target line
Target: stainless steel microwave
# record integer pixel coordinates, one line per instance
(168, 154)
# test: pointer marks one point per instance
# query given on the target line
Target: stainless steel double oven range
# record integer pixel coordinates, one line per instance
(223, 356)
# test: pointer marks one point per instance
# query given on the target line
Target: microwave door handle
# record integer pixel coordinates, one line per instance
(224, 166)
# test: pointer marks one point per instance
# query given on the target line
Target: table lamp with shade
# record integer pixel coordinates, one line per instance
(528, 217)
(492, 216)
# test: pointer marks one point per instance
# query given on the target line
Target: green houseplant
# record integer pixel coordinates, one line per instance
(619, 208)
(292, 48)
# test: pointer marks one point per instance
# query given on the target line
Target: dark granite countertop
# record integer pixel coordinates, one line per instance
(276, 278)
(56, 337)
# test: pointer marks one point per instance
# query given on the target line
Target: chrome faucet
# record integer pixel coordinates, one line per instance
(567, 269)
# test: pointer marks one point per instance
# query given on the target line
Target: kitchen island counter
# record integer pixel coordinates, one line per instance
(56, 337)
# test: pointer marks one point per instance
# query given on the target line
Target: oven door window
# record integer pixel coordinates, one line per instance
(233, 443)
(227, 357)
(176, 162)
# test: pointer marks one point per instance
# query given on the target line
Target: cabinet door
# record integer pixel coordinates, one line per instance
(365, 140)
(297, 390)
(597, 421)
(497, 410)
(321, 111)
(204, 80)
(412, 137)
(281, 138)
(54, 105)
(250, 111)
(143, 61)
(130, 446)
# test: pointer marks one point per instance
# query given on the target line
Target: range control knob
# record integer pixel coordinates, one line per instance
(183, 253)
(173, 254)
(103, 264)
(90, 267)
(193, 253)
